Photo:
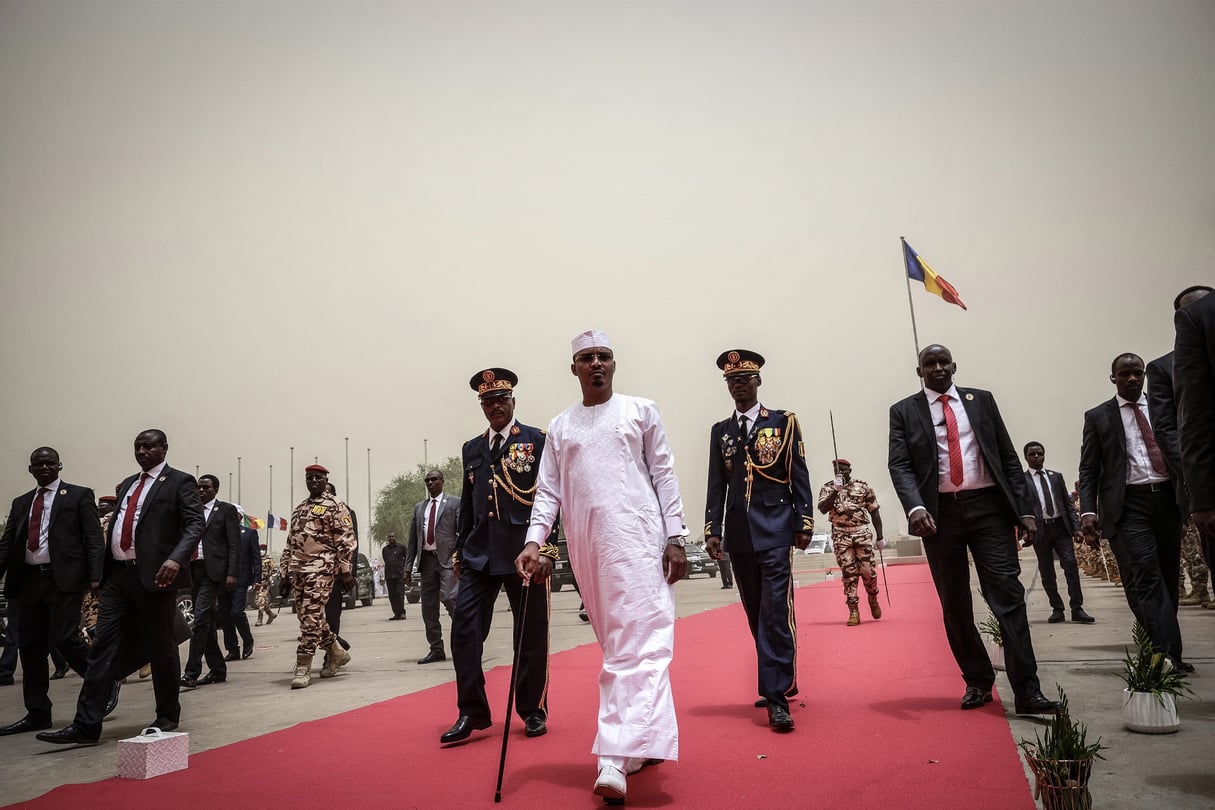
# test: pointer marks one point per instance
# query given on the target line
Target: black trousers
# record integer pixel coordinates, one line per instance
(333, 608)
(203, 640)
(396, 595)
(1054, 541)
(470, 623)
(232, 618)
(1147, 545)
(765, 583)
(727, 571)
(978, 521)
(48, 619)
(128, 610)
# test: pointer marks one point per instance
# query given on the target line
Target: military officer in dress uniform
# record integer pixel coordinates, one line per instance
(500, 467)
(759, 502)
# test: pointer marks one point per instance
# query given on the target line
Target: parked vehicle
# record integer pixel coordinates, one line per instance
(699, 561)
(563, 574)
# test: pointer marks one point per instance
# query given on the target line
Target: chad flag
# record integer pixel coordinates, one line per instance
(919, 270)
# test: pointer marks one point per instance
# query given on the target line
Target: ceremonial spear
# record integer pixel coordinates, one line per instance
(835, 449)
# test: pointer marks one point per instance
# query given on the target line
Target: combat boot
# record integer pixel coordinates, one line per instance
(1197, 597)
(271, 617)
(335, 659)
(303, 672)
(875, 608)
(854, 616)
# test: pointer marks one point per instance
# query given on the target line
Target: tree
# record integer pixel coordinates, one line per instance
(395, 502)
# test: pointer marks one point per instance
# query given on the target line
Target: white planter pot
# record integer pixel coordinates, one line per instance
(1148, 714)
(996, 653)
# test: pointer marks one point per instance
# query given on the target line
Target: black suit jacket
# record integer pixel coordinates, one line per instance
(249, 568)
(1103, 465)
(1194, 369)
(1063, 500)
(169, 528)
(913, 459)
(221, 542)
(73, 540)
(1162, 413)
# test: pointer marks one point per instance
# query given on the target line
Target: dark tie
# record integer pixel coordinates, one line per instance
(742, 427)
(1048, 506)
(1149, 439)
(128, 517)
(35, 533)
(430, 522)
(955, 444)
(496, 448)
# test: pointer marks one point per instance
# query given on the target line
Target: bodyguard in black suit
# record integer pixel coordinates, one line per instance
(1058, 524)
(957, 475)
(158, 523)
(500, 468)
(759, 502)
(51, 550)
(1194, 369)
(1128, 495)
(214, 569)
(232, 604)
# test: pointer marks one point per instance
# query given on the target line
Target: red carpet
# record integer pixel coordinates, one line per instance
(878, 724)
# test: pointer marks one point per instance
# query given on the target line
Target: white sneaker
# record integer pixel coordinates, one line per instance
(611, 783)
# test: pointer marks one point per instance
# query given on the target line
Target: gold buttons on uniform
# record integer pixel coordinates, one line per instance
(491, 514)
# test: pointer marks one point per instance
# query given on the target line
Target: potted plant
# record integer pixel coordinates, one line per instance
(1061, 759)
(990, 627)
(1149, 704)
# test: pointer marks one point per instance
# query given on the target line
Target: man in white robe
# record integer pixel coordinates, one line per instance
(609, 471)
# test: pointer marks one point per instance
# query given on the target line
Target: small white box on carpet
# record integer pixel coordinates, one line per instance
(153, 753)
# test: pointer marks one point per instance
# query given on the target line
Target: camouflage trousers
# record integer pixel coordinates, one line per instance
(88, 611)
(1096, 562)
(854, 554)
(263, 601)
(1191, 560)
(311, 593)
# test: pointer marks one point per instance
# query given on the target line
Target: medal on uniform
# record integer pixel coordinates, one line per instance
(767, 444)
(520, 456)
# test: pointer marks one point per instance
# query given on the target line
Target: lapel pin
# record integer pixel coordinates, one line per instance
(163, 478)
(970, 396)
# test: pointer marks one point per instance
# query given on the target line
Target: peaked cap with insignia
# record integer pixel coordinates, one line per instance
(494, 382)
(740, 361)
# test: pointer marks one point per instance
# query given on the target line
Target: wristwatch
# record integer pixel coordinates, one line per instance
(677, 540)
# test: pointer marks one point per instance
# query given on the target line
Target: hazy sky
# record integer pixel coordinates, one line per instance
(275, 224)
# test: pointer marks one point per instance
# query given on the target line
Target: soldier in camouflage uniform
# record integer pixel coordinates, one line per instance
(1193, 564)
(320, 548)
(261, 589)
(850, 505)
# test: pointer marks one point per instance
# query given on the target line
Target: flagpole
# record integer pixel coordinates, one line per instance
(368, 503)
(910, 303)
(270, 511)
(347, 469)
(238, 497)
(291, 481)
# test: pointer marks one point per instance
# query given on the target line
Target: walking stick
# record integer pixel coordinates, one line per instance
(510, 695)
(835, 449)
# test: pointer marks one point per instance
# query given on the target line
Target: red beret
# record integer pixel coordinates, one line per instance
(317, 468)
(108, 499)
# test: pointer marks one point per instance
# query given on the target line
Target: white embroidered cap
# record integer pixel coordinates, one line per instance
(589, 340)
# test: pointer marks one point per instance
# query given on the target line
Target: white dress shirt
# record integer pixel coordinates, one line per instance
(974, 471)
(427, 545)
(120, 513)
(43, 555)
(207, 507)
(1045, 497)
(1138, 463)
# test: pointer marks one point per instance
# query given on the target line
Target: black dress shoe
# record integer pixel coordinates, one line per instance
(112, 702)
(1056, 616)
(762, 703)
(162, 723)
(58, 674)
(976, 697)
(535, 725)
(1036, 703)
(1079, 615)
(23, 725)
(779, 720)
(432, 657)
(188, 681)
(464, 727)
(1181, 666)
(247, 654)
(6, 680)
(211, 678)
(72, 735)
(232, 656)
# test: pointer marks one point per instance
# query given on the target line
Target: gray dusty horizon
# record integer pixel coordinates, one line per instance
(258, 226)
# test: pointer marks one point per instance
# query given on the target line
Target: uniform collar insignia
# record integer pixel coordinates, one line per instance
(763, 413)
(514, 430)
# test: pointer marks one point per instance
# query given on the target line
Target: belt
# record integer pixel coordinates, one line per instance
(967, 494)
(1049, 521)
(37, 566)
(124, 563)
(431, 550)
(1155, 486)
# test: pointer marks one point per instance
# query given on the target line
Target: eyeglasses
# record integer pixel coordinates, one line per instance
(740, 378)
(591, 357)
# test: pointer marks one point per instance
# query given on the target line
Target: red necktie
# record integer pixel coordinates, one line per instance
(430, 523)
(1149, 439)
(35, 532)
(955, 445)
(128, 517)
